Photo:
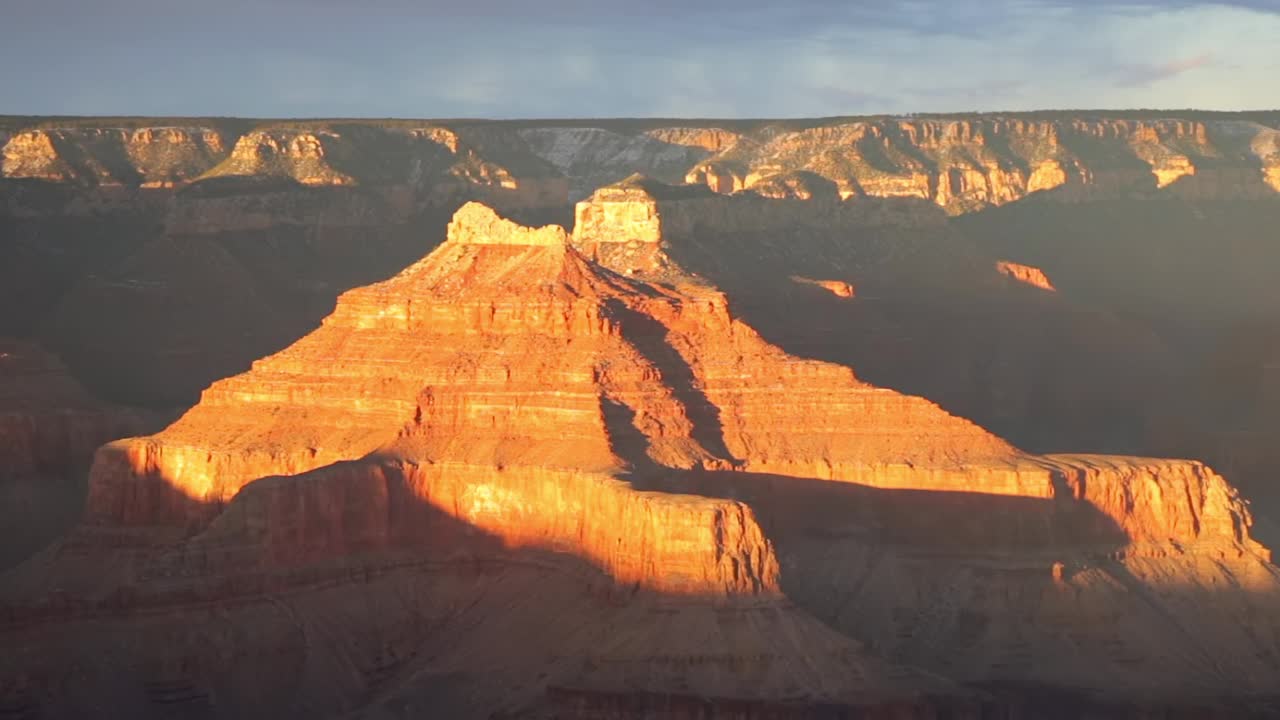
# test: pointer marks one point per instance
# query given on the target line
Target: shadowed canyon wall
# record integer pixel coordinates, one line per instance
(721, 520)
(786, 441)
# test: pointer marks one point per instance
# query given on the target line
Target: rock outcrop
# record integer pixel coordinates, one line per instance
(962, 164)
(509, 411)
(151, 157)
(593, 156)
(937, 315)
(50, 424)
(49, 430)
(1025, 274)
(652, 465)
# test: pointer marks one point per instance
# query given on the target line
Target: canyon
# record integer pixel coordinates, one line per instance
(865, 417)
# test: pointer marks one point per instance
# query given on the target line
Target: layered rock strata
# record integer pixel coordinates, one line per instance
(49, 429)
(937, 315)
(962, 163)
(967, 164)
(743, 524)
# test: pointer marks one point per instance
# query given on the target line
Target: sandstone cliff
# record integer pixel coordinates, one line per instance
(510, 411)
(634, 452)
(962, 164)
(49, 429)
(152, 157)
(935, 314)
(50, 423)
(593, 157)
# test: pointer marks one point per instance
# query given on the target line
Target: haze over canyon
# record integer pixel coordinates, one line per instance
(968, 416)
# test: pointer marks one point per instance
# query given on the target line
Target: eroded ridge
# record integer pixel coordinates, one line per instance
(529, 396)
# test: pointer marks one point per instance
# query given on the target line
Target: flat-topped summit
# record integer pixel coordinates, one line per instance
(477, 224)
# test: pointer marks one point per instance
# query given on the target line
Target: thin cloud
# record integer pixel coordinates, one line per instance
(1144, 75)
(850, 100)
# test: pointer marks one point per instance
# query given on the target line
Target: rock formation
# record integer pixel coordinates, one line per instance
(151, 157)
(937, 316)
(962, 164)
(313, 208)
(654, 465)
(593, 157)
(187, 301)
(49, 430)
(1025, 274)
(704, 516)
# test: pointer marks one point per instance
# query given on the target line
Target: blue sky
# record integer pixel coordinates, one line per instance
(576, 58)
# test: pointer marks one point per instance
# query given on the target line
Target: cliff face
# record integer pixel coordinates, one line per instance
(964, 165)
(50, 424)
(414, 166)
(652, 465)
(592, 157)
(961, 164)
(509, 411)
(49, 429)
(151, 157)
(527, 290)
(188, 301)
(934, 315)
(148, 233)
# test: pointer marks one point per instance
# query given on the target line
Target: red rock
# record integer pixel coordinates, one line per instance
(49, 429)
(1025, 274)
(444, 466)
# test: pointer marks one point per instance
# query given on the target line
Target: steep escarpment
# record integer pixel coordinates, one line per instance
(721, 519)
(528, 291)
(101, 222)
(593, 156)
(152, 157)
(935, 314)
(482, 406)
(313, 208)
(963, 163)
(49, 429)
(1196, 272)
(51, 423)
(171, 318)
(320, 153)
(677, 460)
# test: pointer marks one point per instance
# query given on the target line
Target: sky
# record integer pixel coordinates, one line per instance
(654, 58)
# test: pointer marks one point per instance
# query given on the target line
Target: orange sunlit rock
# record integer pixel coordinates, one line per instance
(1025, 274)
(839, 288)
(605, 472)
(506, 349)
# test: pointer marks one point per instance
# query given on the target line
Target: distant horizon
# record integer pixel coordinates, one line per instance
(649, 118)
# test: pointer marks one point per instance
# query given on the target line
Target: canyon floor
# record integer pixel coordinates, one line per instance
(924, 417)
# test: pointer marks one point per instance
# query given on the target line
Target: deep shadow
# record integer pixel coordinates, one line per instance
(932, 317)
(45, 249)
(797, 510)
(150, 318)
(1194, 263)
(347, 527)
(649, 337)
